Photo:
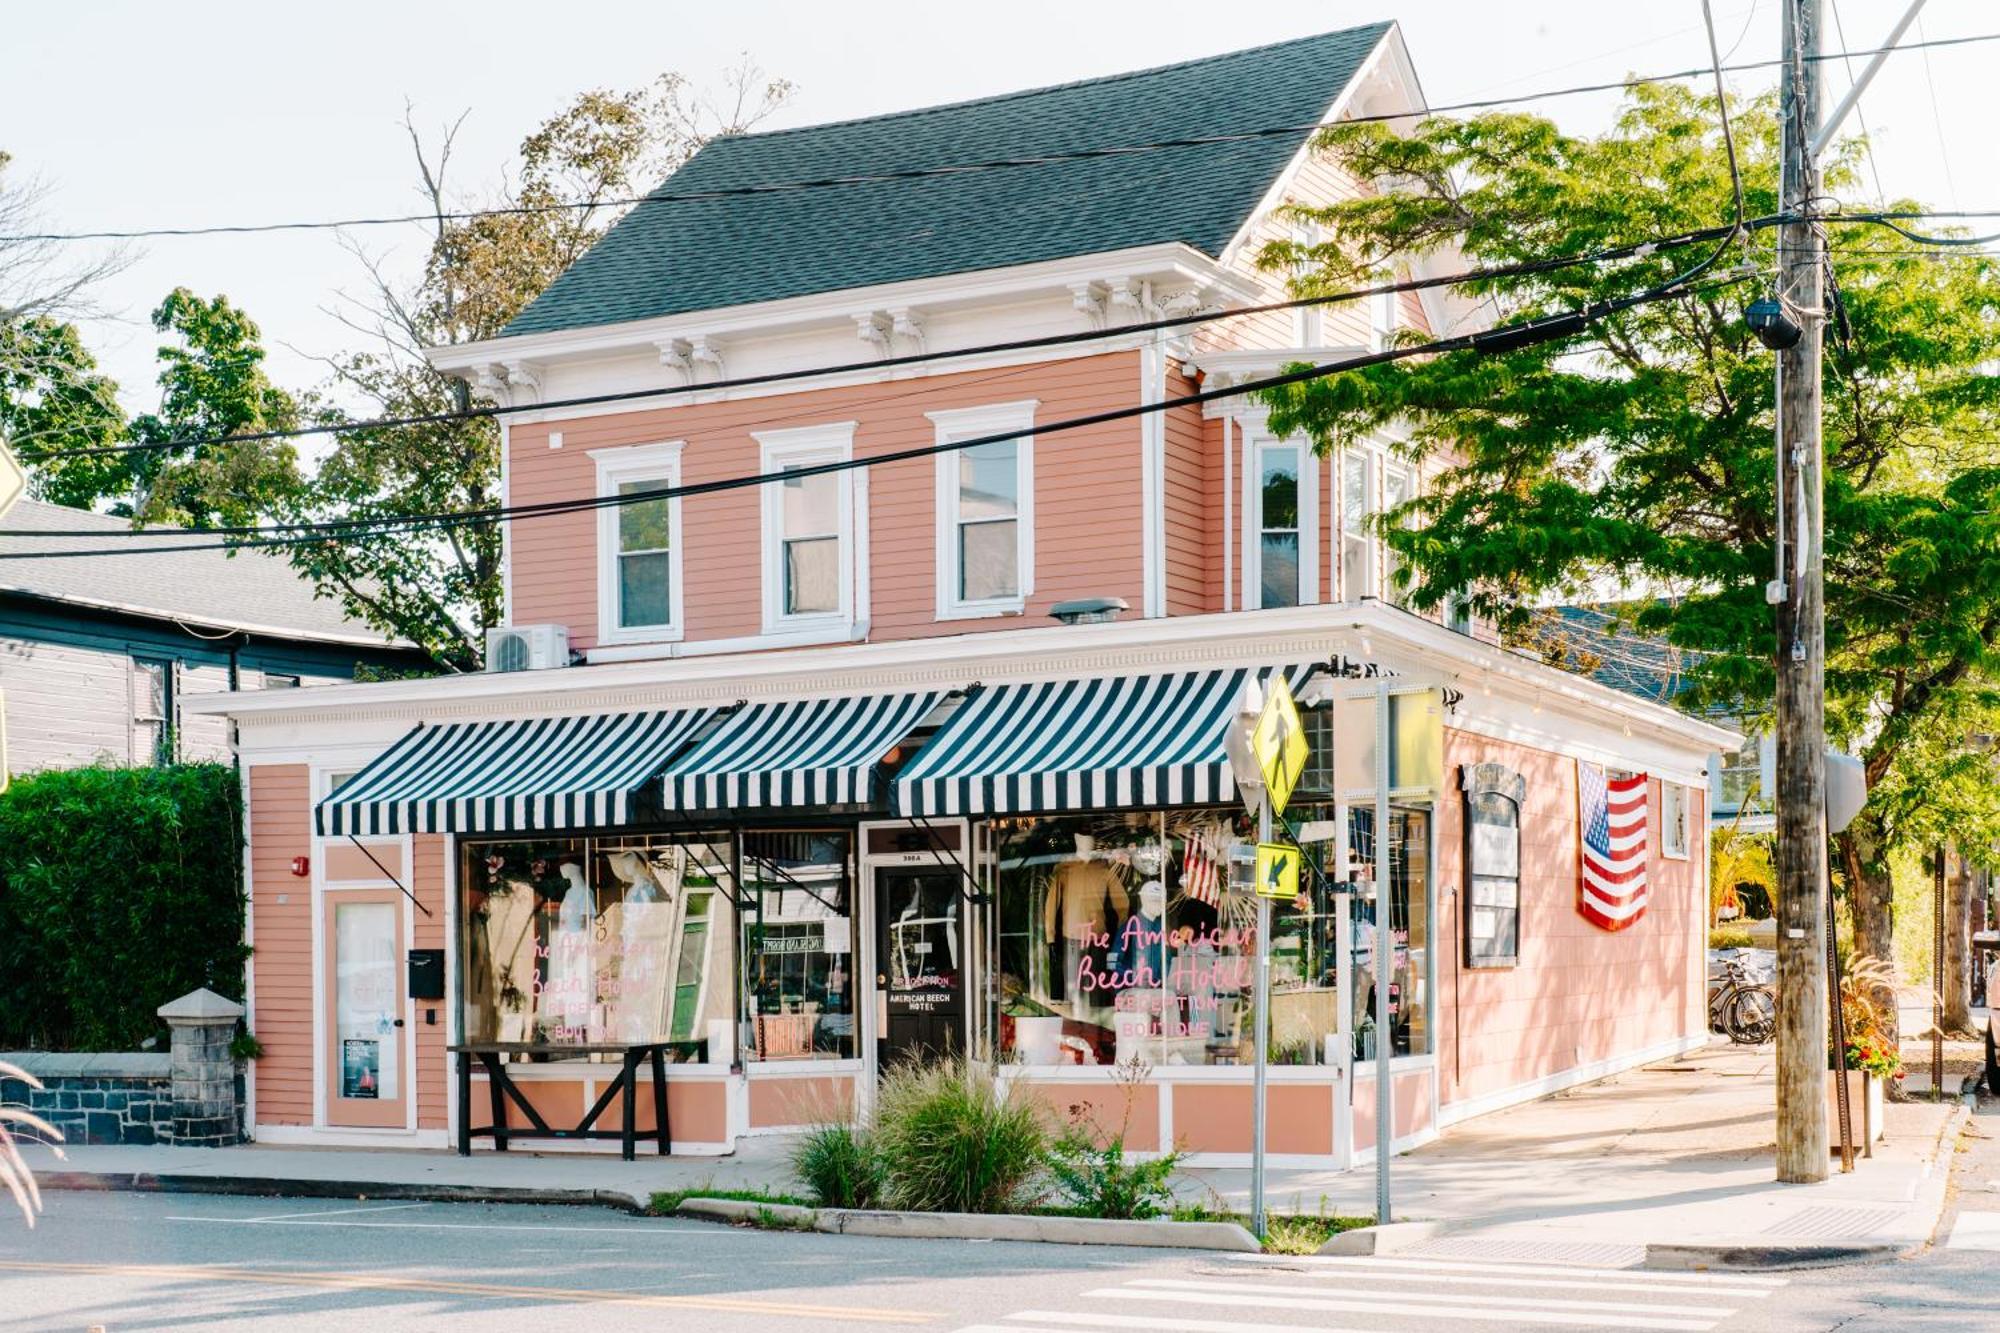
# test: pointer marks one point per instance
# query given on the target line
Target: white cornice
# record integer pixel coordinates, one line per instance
(1169, 264)
(1412, 647)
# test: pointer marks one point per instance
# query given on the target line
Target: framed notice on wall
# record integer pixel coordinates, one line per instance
(1491, 906)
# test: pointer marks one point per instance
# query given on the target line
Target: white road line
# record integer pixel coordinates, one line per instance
(1975, 1231)
(336, 1212)
(1530, 1270)
(1441, 1298)
(1243, 1299)
(1094, 1321)
(1556, 1279)
(453, 1226)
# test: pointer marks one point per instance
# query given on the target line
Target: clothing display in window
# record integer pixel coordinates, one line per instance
(569, 992)
(643, 922)
(1084, 899)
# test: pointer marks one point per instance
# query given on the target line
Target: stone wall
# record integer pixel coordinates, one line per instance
(122, 1098)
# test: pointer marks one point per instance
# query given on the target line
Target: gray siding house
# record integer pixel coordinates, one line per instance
(98, 651)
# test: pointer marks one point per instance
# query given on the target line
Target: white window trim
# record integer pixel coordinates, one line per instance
(1383, 555)
(829, 443)
(1667, 850)
(1384, 313)
(1017, 418)
(1356, 584)
(1253, 518)
(640, 462)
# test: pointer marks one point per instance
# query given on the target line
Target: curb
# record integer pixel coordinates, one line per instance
(1387, 1239)
(1695, 1258)
(145, 1182)
(979, 1226)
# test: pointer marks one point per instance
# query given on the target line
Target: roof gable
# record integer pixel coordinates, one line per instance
(672, 258)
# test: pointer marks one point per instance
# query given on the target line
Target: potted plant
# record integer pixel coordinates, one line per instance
(1869, 1061)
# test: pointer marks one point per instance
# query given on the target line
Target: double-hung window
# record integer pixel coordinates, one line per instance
(808, 528)
(1673, 820)
(1398, 486)
(638, 545)
(1382, 312)
(1281, 551)
(152, 711)
(986, 510)
(1357, 544)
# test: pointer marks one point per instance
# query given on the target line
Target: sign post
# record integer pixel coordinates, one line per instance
(1276, 759)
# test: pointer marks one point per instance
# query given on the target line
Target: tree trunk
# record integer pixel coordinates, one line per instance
(1956, 983)
(1871, 901)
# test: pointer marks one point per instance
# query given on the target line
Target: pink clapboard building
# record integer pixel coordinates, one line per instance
(780, 783)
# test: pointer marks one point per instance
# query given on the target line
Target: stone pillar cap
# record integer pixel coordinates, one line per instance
(201, 1006)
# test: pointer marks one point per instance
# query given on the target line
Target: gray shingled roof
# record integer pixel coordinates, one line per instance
(668, 258)
(248, 590)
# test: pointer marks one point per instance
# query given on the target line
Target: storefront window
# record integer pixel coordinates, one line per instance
(1122, 940)
(1409, 930)
(596, 941)
(798, 946)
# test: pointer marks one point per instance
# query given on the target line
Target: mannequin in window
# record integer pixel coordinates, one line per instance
(570, 991)
(645, 932)
(1085, 897)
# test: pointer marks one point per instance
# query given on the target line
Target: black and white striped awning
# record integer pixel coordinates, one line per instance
(798, 753)
(1098, 743)
(504, 776)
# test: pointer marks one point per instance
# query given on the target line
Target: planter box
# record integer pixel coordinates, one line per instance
(1864, 1108)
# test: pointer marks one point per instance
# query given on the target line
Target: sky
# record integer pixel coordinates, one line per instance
(142, 114)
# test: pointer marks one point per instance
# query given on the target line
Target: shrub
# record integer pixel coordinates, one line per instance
(838, 1163)
(951, 1140)
(1089, 1165)
(120, 889)
(1729, 937)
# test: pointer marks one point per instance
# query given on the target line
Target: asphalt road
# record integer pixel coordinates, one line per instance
(139, 1261)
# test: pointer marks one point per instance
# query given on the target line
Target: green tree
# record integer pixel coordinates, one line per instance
(54, 400)
(1639, 453)
(212, 385)
(442, 589)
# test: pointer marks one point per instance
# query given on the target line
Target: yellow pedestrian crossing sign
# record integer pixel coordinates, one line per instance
(1279, 743)
(1277, 870)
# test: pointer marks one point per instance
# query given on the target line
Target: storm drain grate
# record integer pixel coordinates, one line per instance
(1835, 1223)
(1532, 1251)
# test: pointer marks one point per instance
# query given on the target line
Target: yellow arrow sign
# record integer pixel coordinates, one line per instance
(1277, 870)
(13, 481)
(1279, 743)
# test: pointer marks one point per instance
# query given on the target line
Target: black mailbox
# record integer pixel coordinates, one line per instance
(427, 974)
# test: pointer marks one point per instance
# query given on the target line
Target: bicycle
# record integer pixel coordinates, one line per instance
(1747, 1011)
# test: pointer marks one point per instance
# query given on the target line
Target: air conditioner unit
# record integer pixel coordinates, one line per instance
(527, 647)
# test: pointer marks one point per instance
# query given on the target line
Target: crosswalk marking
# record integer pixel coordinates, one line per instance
(1055, 1321)
(1441, 1298)
(1255, 1298)
(1975, 1231)
(1552, 1279)
(1525, 1270)
(1282, 1294)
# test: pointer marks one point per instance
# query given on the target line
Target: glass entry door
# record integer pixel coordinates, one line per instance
(364, 1004)
(919, 964)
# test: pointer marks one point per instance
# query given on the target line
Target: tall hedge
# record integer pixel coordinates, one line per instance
(120, 889)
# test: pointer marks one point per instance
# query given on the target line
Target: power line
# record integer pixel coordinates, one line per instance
(664, 196)
(1506, 338)
(1867, 138)
(890, 362)
(1937, 117)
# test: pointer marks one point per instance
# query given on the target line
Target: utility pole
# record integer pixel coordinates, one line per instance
(1798, 593)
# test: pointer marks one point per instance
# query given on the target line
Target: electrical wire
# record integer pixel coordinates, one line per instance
(1867, 138)
(664, 196)
(1937, 117)
(1506, 338)
(1722, 105)
(1045, 341)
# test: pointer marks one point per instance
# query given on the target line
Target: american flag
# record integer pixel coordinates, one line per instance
(1611, 817)
(1199, 869)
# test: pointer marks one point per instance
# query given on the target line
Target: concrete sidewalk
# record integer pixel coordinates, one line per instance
(1674, 1154)
(1678, 1153)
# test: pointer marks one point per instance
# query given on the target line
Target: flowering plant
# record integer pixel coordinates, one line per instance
(1874, 1056)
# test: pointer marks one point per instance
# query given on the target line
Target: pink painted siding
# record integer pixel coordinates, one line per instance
(429, 878)
(280, 828)
(776, 1102)
(1193, 505)
(1087, 498)
(1579, 995)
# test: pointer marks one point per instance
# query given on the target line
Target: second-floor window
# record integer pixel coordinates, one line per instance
(808, 527)
(638, 545)
(152, 711)
(986, 508)
(1398, 486)
(1278, 525)
(1357, 543)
